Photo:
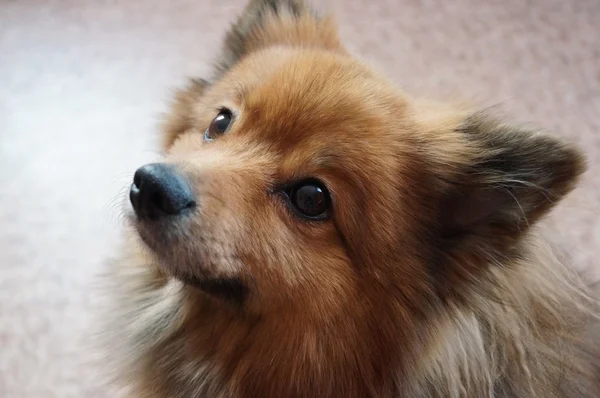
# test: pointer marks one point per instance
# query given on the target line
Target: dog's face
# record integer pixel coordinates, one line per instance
(300, 183)
(295, 161)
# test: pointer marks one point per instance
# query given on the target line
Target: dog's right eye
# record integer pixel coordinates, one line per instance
(219, 125)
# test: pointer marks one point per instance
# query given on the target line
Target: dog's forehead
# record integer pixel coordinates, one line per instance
(289, 98)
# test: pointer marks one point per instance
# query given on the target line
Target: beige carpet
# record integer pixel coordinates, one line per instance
(82, 84)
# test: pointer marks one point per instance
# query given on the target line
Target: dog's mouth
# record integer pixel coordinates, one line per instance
(232, 290)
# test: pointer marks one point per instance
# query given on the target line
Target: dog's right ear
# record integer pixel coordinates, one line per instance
(265, 23)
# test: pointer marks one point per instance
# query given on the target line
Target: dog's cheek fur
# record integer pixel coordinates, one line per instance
(286, 260)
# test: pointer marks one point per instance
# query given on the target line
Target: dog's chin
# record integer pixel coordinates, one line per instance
(231, 289)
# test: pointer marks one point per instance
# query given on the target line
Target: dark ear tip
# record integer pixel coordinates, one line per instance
(555, 163)
(558, 156)
(515, 176)
(570, 164)
(577, 158)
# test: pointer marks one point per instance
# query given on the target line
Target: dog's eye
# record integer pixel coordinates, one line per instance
(311, 199)
(219, 125)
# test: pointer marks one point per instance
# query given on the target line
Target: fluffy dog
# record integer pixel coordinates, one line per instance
(312, 231)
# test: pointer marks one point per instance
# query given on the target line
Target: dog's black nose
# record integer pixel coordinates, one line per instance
(159, 190)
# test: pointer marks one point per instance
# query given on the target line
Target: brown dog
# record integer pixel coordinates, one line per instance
(314, 232)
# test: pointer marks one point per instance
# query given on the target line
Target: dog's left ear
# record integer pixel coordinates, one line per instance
(180, 116)
(513, 176)
(266, 23)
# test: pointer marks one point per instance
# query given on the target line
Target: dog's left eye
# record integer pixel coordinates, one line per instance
(219, 125)
(311, 199)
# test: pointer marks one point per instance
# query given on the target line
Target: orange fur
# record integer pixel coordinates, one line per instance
(427, 280)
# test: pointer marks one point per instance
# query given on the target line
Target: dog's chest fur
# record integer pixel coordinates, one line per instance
(469, 354)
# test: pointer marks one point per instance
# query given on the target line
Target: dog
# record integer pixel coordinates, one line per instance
(312, 231)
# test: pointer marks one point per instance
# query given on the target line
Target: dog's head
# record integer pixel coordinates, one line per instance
(299, 181)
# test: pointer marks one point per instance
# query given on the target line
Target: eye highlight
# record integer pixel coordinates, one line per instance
(219, 125)
(310, 199)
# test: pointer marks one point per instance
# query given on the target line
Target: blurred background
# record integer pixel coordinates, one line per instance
(83, 83)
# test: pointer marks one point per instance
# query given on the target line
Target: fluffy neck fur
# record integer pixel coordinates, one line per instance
(523, 331)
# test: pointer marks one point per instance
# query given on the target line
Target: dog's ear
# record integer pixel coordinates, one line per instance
(513, 176)
(276, 22)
